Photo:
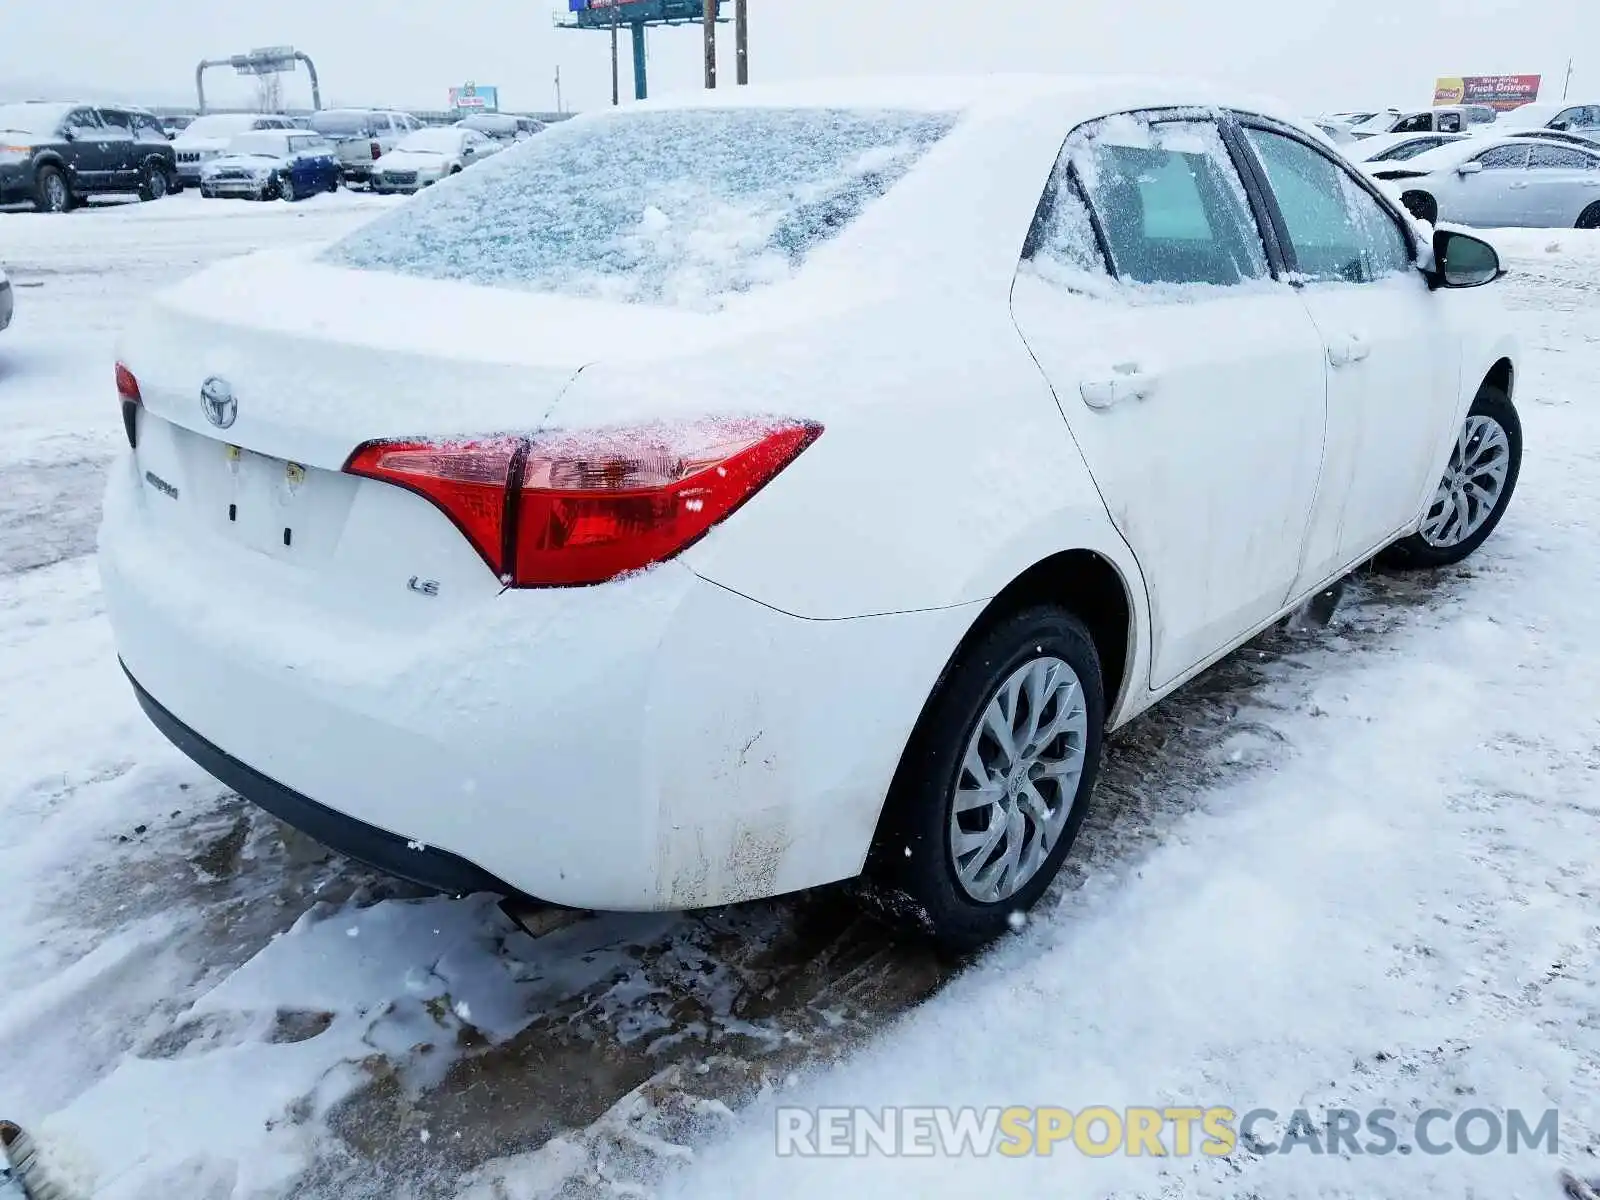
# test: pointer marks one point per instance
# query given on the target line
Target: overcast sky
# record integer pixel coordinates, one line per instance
(1317, 54)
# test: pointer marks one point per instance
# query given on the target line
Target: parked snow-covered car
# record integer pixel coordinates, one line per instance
(429, 155)
(1589, 141)
(272, 164)
(363, 135)
(1397, 147)
(1509, 181)
(1568, 118)
(502, 127)
(206, 137)
(774, 549)
(7, 300)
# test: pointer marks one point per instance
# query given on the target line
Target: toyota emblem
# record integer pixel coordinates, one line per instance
(216, 397)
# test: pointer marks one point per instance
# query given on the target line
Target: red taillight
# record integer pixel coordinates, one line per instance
(132, 401)
(578, 508)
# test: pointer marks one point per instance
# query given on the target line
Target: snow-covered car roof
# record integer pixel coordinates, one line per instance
(1530, 116)
(34, 117)
(1073, 96)
(221, 125)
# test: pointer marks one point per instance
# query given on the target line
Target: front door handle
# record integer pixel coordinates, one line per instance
(1127, 381)
(1517, 187)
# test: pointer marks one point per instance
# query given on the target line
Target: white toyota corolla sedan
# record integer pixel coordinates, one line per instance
(716, 498)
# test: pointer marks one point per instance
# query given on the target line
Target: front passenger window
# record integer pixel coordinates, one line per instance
(1504, 158)
(1336, 229)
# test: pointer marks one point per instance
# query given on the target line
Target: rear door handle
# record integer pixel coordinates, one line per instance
(1127, 381)
(1517, 186)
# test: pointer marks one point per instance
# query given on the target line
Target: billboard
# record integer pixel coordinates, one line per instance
(475, 97)
(1500, 92)
(600, 13)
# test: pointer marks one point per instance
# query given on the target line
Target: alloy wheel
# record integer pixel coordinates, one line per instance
(1472, 485)
(1018, 780)
(55, 194)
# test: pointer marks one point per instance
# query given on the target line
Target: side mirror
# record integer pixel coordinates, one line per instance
(68, 136)
(1470, 168)
(1463, 261)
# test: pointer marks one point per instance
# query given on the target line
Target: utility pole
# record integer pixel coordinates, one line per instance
(1567, 82)
(616, 66)
(741, 40)
(711, 42)
(558, 89)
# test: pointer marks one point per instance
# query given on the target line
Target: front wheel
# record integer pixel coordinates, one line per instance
(286, 190)
(1475, 490)
(1589, 218)
(995, 782)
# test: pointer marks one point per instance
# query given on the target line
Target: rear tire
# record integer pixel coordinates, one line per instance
(155, 185)
(1476, 489)
(53, 192)
(1589, 218)
(286, 190)
(940, 860)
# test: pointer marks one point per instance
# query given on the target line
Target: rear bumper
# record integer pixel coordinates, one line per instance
(360, 172)
(6, 304)
(658, 742)
(390, 852)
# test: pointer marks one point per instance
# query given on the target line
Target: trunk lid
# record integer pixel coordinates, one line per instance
(258, 379)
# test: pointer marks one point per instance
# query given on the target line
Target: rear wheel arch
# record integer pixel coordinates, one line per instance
(1091, 588)
(1082, 582)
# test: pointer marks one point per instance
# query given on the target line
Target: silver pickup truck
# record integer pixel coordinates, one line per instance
(361, 135)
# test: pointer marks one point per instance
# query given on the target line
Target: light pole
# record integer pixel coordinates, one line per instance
(710, 25)
(741, 40)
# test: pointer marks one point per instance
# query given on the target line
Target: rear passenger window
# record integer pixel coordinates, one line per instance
(1170, 206)
(1336, 229)
(1562, 157)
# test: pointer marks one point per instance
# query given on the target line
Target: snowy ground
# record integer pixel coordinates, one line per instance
(1353, 867)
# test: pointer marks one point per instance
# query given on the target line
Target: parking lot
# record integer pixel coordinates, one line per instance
(198, 1007)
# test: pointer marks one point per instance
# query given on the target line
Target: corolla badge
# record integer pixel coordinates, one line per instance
(218, 401)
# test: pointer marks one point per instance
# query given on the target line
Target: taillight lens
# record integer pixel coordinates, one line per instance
(564, 509)
(132, 402)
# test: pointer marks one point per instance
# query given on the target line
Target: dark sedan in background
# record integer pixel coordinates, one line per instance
(54, 156)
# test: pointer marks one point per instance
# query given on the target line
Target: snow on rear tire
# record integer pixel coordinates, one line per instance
(996, 777)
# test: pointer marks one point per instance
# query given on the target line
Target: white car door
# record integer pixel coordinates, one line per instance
(1495, 194)
(1562, 182)
(1391, 362)
(1191, 380)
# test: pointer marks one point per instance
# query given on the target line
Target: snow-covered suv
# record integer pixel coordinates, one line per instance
(54, 155)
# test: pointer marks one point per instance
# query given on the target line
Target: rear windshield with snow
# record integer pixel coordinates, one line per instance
(683, 208)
